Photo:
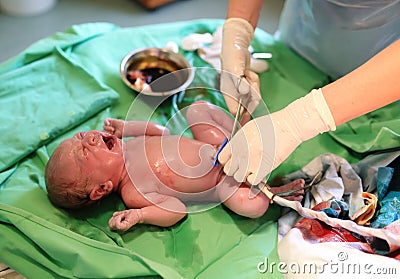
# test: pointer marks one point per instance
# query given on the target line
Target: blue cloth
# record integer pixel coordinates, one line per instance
(338, 209)
(389, 211)
(389, 201)
(384, 176)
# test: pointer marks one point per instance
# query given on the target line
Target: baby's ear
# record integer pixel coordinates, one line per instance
(101, 190)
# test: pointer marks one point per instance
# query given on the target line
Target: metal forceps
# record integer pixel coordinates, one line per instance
(240, 110)
(263, 187)
(236, 124)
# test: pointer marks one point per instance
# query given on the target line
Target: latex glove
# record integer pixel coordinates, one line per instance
(265, 142)
(235, 60)
(209, 49)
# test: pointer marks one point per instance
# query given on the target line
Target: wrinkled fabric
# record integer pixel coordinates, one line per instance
(367, 212)
(42, 241)
(379, 129)
(343, 255)
(40, 89)
(389, 211)
(325, 227)
(335, 209)
(337, 36)
(383, 177)
(389, 200)
(342, 182)
(339, 181)
(382, 241)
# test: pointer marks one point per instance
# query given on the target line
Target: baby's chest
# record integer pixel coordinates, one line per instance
(149, 166)
(170, 162)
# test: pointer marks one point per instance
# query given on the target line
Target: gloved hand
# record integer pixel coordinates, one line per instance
(265, 142)
(235, 62)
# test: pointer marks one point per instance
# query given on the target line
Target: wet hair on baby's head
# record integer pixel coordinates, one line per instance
(64, 189)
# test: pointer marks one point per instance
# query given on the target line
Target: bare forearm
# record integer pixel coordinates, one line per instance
(164, 210)
(369, 87)
(152, 215)
(121, 128)
(155, 215)
(248, 10)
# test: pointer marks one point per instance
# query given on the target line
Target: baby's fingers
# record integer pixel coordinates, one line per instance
(118, 223)
(108, 129)
(112, 223)
(118, 213)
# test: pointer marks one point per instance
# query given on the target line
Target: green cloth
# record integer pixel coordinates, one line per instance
(70, 82)
(33, 103)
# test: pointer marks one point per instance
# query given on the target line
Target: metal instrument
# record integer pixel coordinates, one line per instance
(263, 187)
(236, 124)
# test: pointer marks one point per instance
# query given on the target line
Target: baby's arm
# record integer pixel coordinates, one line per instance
(132, 128)
(208, 122)
(166, 212)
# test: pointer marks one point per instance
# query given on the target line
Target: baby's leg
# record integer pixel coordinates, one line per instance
(241, 204)
(208, 122)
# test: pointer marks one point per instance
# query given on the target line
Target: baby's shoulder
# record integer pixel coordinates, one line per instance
(131, 196)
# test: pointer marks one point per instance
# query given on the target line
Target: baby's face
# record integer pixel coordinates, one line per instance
(95, 155)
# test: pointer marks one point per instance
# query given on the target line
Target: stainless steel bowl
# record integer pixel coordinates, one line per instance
(156, 71)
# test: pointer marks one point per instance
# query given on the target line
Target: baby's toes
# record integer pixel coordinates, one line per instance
(298, 195)
(295, 197)
(297, 184)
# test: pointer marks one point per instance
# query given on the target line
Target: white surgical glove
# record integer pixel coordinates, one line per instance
(265, 142)
(237, 35)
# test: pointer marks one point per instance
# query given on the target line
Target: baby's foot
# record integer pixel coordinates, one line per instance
(296, 184)
(114, 126)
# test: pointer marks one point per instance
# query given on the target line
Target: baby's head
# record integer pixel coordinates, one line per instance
(83, 169)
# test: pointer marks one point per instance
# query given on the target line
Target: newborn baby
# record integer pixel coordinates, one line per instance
(155, 173)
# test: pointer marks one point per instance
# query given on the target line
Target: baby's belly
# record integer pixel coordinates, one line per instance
(168, 164)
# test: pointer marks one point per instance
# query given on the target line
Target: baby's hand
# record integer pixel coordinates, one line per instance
(123, 220)
(114, 126)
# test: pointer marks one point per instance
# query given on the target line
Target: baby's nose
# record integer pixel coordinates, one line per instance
(92, 138)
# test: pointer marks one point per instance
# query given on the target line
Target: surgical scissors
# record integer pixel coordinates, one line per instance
(236, 123)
